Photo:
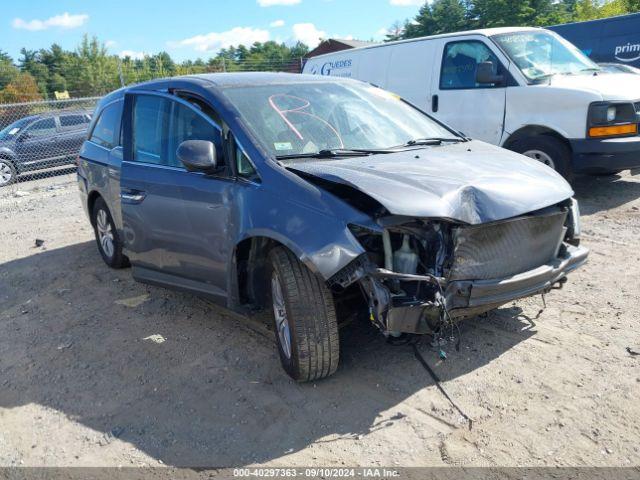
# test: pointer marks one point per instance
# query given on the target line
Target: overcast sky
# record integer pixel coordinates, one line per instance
(193, 28)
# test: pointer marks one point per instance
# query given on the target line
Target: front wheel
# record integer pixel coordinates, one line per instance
(551, 151)
(107, 238)
(304, 318)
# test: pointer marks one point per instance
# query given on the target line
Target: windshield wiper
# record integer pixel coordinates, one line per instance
(333, 153)
(432, 141)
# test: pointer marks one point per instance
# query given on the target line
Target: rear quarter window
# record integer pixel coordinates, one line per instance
(73, 121)
(106, 131)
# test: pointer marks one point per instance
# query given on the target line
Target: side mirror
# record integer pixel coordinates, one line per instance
(485, 75)
(24, 136)
(197, 155)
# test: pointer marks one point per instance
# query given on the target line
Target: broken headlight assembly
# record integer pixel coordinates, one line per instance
(402, 273)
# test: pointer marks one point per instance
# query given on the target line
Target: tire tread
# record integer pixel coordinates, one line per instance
(312, 314)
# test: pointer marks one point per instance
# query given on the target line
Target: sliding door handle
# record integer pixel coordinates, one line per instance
(132, 196)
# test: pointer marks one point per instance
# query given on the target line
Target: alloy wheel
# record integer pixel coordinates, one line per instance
(6, 174)
(105, 233)
(280, 315)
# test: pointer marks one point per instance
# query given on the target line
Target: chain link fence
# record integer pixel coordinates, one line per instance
(41, 139)
(42, 130)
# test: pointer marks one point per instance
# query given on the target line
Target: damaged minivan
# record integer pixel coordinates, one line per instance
(315, 199)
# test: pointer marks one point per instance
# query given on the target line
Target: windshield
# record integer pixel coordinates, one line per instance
(541, 54)
(307, 118)
(13, 129)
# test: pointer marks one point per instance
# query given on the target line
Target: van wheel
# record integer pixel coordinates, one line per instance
(8, 173)
(304, 318)
(548, 150)
(107, 238)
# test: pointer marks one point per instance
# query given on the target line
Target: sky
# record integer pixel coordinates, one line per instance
(191, 29)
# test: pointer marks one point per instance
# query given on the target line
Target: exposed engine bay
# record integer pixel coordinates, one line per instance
(418, 274)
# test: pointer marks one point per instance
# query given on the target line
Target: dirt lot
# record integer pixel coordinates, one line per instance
(96, 369)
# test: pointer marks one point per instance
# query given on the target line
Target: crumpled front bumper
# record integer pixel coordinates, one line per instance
(465, 298)
(474, 296)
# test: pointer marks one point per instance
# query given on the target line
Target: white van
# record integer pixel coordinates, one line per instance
(526, 89)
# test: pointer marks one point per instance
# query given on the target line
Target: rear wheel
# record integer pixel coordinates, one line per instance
(8, 173)
(548, 150)
(107, 238)
(304, 318)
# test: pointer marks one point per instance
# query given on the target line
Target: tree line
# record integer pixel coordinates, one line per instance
(90, 70)
(445, 16)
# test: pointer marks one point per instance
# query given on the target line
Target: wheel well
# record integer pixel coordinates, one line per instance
(533, 131)
(251, 257)
(7, 157)
(91, 201)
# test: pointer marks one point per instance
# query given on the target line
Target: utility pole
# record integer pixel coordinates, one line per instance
(120, 72)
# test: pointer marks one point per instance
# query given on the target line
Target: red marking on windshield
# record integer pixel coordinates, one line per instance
(282, 112)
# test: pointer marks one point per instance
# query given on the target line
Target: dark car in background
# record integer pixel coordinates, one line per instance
(316, 199)
(41, 141)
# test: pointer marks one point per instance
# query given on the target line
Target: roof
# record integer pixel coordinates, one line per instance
(224, 80)
(331, 45)
(55, 113)
(350, 43)
(257, 78)
(486, 32)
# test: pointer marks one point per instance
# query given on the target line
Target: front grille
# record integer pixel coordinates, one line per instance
(507, 248)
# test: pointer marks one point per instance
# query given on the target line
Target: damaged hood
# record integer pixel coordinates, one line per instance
(471, 182)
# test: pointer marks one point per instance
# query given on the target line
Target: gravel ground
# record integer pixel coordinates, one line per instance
(96, 369)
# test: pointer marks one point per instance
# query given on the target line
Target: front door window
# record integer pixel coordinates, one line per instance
(460, 64)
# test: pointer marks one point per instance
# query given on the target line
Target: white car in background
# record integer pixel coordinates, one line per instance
(526, 89)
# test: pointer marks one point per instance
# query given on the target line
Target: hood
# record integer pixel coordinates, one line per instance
(611, 86)
(471, 182)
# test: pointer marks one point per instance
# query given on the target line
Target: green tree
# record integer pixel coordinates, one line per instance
(8, 71)
(444, 16)
(92, 71)
(440, 16)
(395, 32)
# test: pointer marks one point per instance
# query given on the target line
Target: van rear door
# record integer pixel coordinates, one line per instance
(458, 99)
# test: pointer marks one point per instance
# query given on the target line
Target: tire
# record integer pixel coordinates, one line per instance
(8, 172)
(548, 150)
(310, 322)
(107, 238)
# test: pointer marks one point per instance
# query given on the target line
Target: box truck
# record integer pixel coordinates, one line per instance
(606, 40)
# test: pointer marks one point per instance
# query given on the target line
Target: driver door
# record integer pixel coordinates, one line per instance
(477, 110)
(175, 222)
